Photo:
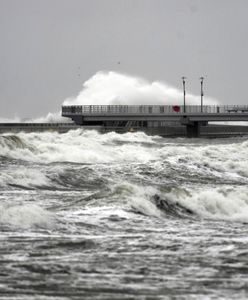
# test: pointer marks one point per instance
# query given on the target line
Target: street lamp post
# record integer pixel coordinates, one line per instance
(201, 78)
(184, 94)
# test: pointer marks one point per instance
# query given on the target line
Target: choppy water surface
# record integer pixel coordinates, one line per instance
(90, 216)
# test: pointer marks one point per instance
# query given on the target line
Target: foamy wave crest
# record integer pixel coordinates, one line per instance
(77, 146)
(112, 88)
(26, 216)
(10, 142)
(229, 160)
(121, 201)
(24, 177)
(225, 203)
(137, 198)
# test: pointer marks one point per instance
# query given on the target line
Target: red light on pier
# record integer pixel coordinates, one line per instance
(176, 108)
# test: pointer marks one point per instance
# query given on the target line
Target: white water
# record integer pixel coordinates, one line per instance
(111, 156)
(115, 216)
(26, 216)
(87, 146)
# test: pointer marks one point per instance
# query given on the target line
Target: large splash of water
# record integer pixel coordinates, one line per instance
(112, 88)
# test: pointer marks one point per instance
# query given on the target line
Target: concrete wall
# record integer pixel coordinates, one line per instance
(169, 131)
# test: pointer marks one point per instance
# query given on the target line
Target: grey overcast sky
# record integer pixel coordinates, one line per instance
(48, 48)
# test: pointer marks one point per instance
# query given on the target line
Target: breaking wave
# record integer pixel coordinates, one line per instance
(26, 216)
(90, 147)
(24, 177)
(77, 146)
(224, 203)
(131, 173)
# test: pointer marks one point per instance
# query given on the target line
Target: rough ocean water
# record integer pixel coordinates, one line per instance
(91, 216)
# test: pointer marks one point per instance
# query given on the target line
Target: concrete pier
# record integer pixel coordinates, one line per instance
(37, 127)
(176, 130)
(147, 117)
(167, 121)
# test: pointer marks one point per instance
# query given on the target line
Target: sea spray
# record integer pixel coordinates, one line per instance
(26, 216)
(112, 88)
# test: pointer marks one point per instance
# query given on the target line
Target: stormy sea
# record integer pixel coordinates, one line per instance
(85, 215)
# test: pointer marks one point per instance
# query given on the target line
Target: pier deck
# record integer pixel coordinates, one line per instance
(145, 116)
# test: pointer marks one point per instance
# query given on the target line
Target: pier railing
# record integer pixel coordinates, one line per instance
(151, 109)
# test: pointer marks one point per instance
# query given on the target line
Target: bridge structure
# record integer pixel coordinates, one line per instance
(192, 117)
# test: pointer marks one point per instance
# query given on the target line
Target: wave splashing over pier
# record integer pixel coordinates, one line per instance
(91, 216)
(113, 88)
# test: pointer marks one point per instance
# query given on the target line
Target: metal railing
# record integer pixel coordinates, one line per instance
(150, 109)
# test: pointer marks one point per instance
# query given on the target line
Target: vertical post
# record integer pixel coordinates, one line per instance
(184, 94)
(201, 78)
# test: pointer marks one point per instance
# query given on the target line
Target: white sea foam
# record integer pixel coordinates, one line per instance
(137, 197)
(24, 177)
(106, 88)
(26, 216)
(76, 146)
(122, 201)
(226, 161)
(140, 201)
(82, 146)
(224, 203)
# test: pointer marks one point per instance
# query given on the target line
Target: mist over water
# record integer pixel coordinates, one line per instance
(85, 215)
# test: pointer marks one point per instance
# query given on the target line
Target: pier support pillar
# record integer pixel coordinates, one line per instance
(77, 120)
(193, 130)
